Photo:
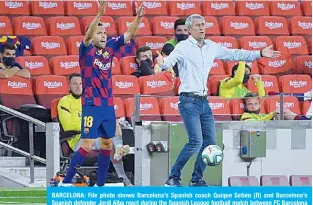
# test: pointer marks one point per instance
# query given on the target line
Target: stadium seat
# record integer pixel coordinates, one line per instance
(309, 43)
(184, 8)
(228, 65)
(290, 102)
(220, 108)
(254, 42)
(15, 8)
(15, 92)
(125, 21)
(119, 107)
(158, 84)
(48, 46)
(63, 26)
(37, 65)
(163, 25)
(300, 25)
(237, 107)
(274, 180)
(285, 8)
(107, 21)
(149, 108)
(116, 70)
(73, 43)
(243, 181)
(169, 109)
(300, 180)
(295, 84)
(306, 8)
(214, 83)
(40, 8)
(119, 8)
(255, 8)
(176, 85)
(305, 107)
(212, 26)
(155, 8)
(271, 25)
(237, 25)
(154, 42)
(125, 86)
(291, 45)
(226, 41)
(303, 64)
(49, 87)
(5, 26)
(218, 8)
(64, 65)
(276, 66)
(80, 8)
(217, 68)
(29, 26)
(270, 84)
(128, 65)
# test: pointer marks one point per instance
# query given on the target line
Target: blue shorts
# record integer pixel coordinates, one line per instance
(98, 122)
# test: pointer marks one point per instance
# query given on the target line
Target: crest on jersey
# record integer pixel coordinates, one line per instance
(86, 130)
(106, 55)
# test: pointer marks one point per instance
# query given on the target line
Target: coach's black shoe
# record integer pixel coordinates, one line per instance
(173, 182)
(198, 183)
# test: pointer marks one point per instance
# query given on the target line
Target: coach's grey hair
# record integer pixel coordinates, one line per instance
(190, 19)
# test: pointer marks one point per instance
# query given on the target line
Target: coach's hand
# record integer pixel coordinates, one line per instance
(270, 53)
(102, 7)
(160, 59)
(140, 11)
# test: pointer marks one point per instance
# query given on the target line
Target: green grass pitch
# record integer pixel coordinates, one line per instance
(23, 196)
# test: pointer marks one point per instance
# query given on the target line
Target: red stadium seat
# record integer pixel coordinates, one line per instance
(184, 8)
(211, 26)
(243, 181)
(29, 26)
(64, 65)
(309, 43)
(149, 108)
(163, 25)
(237, 25)
(305, 107)
(270, 84)
(228, 65)
(125, 21)
(107, 21)
(303, 64)
(306, 8)
(73, 43)
(290, 102)
(116, 70)
(220, 108)
(295, 84)
(154, 42)
(125, 86)
(255, 42)
(169, 109)
(254, 8)
(5, 26)
(276, 66)
(81, 8)
(155, 8)
(48, 45)
(39, 8)
(300, 180)
(37, 65)
(300, 25)
(158, 84)
(226, 41)
(213, 83)
(217, 68)
(119, 107)
(63, 26)
(176, 85)
(128, 65)
(271, 25)
(16, 8)
(274, 180)
(291, 45)
(285, 8)
(119, 8)
(218, 8)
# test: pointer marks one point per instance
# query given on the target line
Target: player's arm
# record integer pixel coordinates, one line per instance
(24, 73)
(7, 73)
(237, 79)
(131, 31)
(65, 117)
(94, 24)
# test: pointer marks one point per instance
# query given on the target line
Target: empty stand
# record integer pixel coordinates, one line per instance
(285, 8)
(119, 8)
(158, 84)
(63, 26)
(39, 8)
(306, 8)
(226, 41)
(125, 86)
(305, 107)
(291, 45)
(271, 25)
(15, 92)
(252, 8)
(300, 25)
(149, 108)
(243, 181)
(309, 43)
(14, 8)
(303, 64)
(81, 8)
(107, 21)
(212, 26)
(220, 108)
(214, 83)
(295, 84)
(73, 43)
(169, 109)
(163, 25)
(217, 68)
(48, 88)
(37, 65)
(176, 85)
(269, 82)
(29, 26)
(125, 21)
(275, 66)
(290, 102)
(228, 65)
(128, 65)
(119, 107)
(64, 65)
(156, 8)
(116, 70)
(218, 8)
(184, 8)
(300, 180)
(254, 42)
(274, 180)
(5, 26)
(48, 46)
(154, 42)
(237, 25)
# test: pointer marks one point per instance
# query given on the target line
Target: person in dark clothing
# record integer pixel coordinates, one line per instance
(145, 62)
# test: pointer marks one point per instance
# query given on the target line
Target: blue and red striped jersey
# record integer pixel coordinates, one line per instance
(96, 71)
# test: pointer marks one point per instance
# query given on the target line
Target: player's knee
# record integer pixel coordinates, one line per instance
(87, 144)
(106, 144)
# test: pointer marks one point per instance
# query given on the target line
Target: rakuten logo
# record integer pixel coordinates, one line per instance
(276, 63)
(47, 5)
(287, 105)
(174, 105)
(226, 44)
(13, 4)
(267, 84)
(14, 84)
(106, 25)
(69, 64)
(308, 64)
(31, 26)
(146, 106)
(286, 7)
(254, 6)
(142, 24)
(298, 84)
(273, 25)
(209, 25)
(216, 105)
(3, 25)
(256, 44)
(185, 6)
(292, 45)
(65, 26)
(82, 5)
(167, 25)
(134, 66)
(219, 6)
(34, 65)
(116, 6)
(152, 5)
(100, 65)
(156, 83)
(50, 45)
(124, 84)
(239, 25)
(52, 85)
(305, 25)
(154, 45)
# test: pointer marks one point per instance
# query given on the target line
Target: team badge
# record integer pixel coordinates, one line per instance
(106, 55)
(86, 130)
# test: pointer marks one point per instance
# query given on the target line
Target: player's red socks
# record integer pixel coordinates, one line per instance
(103, 166)
(76, 161)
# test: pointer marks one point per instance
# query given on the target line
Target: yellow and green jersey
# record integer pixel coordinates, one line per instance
(260, 117)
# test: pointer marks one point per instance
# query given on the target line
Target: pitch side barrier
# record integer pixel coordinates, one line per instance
(251, 148)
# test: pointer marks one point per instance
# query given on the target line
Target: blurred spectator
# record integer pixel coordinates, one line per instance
(145, 62)
(166, 50)
(8, 66)
(21, 43)
(233, 87)
(181, 32)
